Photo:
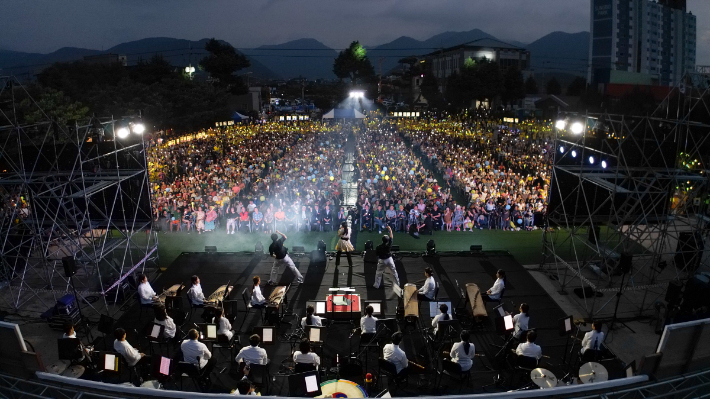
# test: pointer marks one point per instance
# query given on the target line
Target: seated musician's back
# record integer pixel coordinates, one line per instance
(392, 353)
(530, 348)
(368, 323)
(311, 319)
(253, 354)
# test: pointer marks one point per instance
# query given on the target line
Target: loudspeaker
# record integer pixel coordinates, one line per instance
(370, 254)
(673, 292)
(476, 248)
(395, 248)
(69, 266)
(258, 248)
(593, 234)
(689, 251)
(625, 262)
(210, 249)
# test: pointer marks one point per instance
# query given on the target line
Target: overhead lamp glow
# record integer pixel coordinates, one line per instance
(591, 159)
(357, 94)
(138, 128)
(562, 149)
(122, 132)
(577, 128)
(604, 165)
(574, 154)
(561, 124)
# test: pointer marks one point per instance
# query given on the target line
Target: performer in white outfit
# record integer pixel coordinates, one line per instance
(257, 299)
(280, 253)
(224, 327)
(162, 318)
(368, 323)
(344, 244)
(304, 354)
(253, 354)
(311, 319)
(145, 291)
(463, 352)
(194, 294)
(497, 290)
(392, 353)
(443, 315)
(384, 259)
(521, 321)
(426, 293)
(593, 339)
(530, 348)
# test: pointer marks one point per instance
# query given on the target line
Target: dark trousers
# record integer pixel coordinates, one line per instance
(337, 258)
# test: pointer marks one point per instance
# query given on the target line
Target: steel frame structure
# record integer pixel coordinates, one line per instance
(640, 204)
(74, 191)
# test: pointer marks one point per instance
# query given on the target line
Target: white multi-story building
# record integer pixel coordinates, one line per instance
(636, 41)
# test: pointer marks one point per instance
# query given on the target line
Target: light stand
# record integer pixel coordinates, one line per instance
(616, 307)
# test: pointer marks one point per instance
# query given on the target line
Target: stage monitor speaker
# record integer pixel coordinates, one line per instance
(594, 234)
(321, 246)
(370, 254)
(689, 251)
(674, 290)
(395, 248)
(625, 262)
(69, 266)
(476, 248)
(298, 249)
(210, 249)
(258, 248)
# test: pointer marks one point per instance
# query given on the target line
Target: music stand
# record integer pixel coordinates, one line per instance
(384, 394)
(109, 362)
(434, 308)
(162, 366)
(155, 331)
(378, 307)
(315, 334)
(208, 332)
(105, 327)
(389, 324)
(266, 334)
(448, 327)
(500, 309)
(319, 306)
(304, 384)
(504, 324)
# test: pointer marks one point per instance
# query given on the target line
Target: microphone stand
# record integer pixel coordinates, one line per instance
(571, 351)
(373, 339)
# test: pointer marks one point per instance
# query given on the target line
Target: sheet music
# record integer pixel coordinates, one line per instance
(211, 331)
(340, 300)
(110, 362)
(156, 331)
(376, 307)
(320, 307)
(508, 322)
(386, 395)
(568, 325)
(311, 383)
(314, 335)
(434, 308)
(164, 366)
(268, 334)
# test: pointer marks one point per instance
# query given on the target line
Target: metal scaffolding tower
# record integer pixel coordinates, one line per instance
(629, 190)
(75, 191)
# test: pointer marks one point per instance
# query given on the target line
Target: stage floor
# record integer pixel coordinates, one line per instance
(216, 269)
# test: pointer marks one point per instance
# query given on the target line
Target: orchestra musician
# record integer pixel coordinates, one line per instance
(344, 245)
(195, 352)
(497, 290)
(593, 339)
(368, 323)
(426, 293)
(384, 258)
(304, 354)
(463, 352)
(311, 319)
(224, 327)
(280, 254)
(86, 351)
(530, 348)
(257, 298)
(195, 294)
(162, 318)
(253, 354)
(443, 315)
(145, 291)
(521, 321)
(392, 353)
(130, 354)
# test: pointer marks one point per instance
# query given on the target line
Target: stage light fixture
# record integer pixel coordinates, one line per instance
(122, 132)
(591, 159)
(577, 128)
(562, 149)
(357, 94)
(574, 154)
(138, 128)
(561, 124)
(604, 165)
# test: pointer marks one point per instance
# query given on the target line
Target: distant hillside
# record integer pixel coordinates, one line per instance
(560, 52)
(299, 58)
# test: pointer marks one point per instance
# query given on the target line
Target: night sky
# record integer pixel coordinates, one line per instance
(47, 25)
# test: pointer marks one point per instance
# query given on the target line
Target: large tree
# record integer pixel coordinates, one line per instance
(513, 85)
(553, 87)
(222, 63)
(353, 64)
(55, 106)
(490, 80)
(430, 90)
(577, 86)
(531, 85)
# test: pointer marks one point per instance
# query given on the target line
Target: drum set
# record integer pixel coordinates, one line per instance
(589, 373)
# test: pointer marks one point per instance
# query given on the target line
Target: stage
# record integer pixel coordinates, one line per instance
(451, 272)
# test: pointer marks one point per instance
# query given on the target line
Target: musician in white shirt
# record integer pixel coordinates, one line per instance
(426, 293)
(257, 299)
(192, 349)
(593, 339)
(496, 291)
(530, 348)
(86, 351)
(311, 319)
(392, 353)
(368, 323)
(224, 327)
(463, 352)
(129, 353)
(162, 318)
(145, 291)
(253, 354)
(304, 354)
(443, 315)
(521, 321)
(195, 294)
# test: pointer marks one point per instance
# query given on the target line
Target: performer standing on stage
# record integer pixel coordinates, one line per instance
(384, 259)
(344, 244)
(278, 251)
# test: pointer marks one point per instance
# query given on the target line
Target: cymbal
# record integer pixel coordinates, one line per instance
(543, 378)
(593, 372)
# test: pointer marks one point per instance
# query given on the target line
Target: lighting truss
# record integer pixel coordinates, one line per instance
(69, 190)
(653, 193)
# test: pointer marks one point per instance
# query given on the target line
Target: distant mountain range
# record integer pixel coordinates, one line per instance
(555, 53)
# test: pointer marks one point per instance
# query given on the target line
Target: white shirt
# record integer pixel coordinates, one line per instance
(128, 352)
(368, 324)
(497, 289)
(309, 358)
(256, 297)
(435, 321)
(392, 353)
(529, 349)
(252, 355)
(69, 336)
(316, 320)
(521, 322)
(191, 348)
(224, 327)
(145, 291)
(195, 294)
(592, 339)
(428, 288)
(460, 356)
(169, 331)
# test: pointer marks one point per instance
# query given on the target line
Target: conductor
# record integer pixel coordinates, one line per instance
(280, 253)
